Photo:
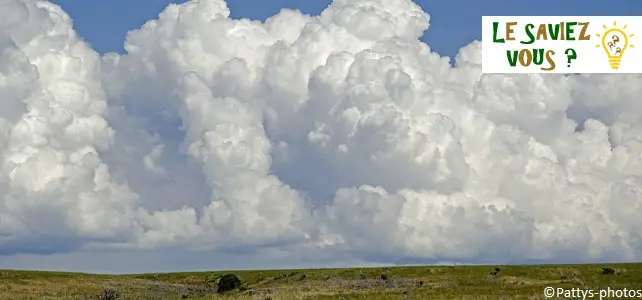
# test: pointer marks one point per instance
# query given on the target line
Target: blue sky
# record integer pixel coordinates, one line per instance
(453, 23)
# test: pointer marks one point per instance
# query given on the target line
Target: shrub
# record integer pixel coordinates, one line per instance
(608, 271)
(109, 293)
(228, 282)
(211, 279)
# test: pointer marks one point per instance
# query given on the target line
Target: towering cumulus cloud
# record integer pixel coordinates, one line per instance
(340, 134)
(56, 192)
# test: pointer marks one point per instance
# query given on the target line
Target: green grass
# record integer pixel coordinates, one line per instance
(423, 282)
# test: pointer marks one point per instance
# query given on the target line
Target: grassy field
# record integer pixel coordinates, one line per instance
(427, 282)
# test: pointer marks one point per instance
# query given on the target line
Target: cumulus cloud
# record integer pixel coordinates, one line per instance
(338, 135)
(54, 182)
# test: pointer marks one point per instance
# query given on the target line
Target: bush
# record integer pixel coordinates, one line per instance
(109, 293)
(228, 282)
(211, 279)
(608, 271)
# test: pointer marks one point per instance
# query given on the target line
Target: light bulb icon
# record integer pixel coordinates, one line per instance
(614, 42)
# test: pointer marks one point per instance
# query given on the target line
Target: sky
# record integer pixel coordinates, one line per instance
(133, 141)
(104, 24)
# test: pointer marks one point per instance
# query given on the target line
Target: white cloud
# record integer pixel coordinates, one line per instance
(55, 182)
(150, 160)
(339, 135)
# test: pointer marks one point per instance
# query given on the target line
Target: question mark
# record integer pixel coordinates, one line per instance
(571, 56)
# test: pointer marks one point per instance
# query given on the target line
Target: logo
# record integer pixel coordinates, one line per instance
(614, 42)
(561, 44)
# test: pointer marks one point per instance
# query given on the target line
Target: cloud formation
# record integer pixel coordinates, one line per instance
(339, 134)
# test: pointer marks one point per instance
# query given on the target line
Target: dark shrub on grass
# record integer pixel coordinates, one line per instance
(608, 271)
(228, 282)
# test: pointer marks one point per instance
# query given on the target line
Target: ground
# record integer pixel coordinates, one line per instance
(424, 282)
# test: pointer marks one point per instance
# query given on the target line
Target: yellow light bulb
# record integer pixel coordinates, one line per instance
(614, 42)
(613, 50)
